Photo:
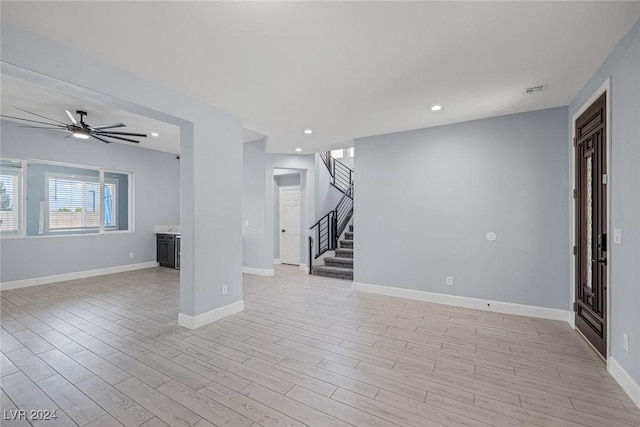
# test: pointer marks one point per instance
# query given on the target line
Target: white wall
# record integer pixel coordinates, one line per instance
(425, 200)
(156, 188)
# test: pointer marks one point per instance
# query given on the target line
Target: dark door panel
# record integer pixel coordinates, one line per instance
(591, 225)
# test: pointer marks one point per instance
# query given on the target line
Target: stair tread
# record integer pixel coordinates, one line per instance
(344, 249)
(347, 240)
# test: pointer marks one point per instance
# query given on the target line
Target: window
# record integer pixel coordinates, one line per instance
(10, 196)
(41, 198)
(343, 152)
(116, 201)
(73, 203)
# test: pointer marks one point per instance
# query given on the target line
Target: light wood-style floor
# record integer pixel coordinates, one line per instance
(307, 350)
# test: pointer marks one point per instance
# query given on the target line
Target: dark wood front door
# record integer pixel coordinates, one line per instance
(591, 225)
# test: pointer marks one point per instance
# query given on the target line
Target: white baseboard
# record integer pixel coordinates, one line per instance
(277, 261)
(623, 378)
(194, 322)
(258, 271)
(303, 267)
(35, 281)
(475, 303)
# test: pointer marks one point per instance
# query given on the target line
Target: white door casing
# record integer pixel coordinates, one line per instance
(290, 225)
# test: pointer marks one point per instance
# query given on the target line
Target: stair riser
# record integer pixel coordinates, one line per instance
(345, 276)
(333, 263)
(340, 254)
(346, 245)
(351, 228)
(348, 235)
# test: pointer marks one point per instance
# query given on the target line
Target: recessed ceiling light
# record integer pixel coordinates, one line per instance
(308, 131)
(155, 134)
(298, 149)
(436, 107)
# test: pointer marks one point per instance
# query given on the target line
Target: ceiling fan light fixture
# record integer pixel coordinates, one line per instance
(80, 134)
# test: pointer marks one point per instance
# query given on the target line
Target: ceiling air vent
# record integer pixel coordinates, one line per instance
(535, 89)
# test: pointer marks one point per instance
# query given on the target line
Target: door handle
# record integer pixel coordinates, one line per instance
(602, 242)
(600, 261)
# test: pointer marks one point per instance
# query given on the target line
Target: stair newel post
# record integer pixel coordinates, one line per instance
(310, 255)
(334, 229)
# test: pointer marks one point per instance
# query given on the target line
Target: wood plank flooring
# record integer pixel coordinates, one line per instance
(307, 350)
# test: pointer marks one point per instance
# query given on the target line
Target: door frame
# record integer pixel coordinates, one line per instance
(289, 187)
(605, 87)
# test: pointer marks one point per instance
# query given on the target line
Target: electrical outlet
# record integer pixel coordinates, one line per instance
(449, 280)
(625, 342)
(131, 255)
(224, 289)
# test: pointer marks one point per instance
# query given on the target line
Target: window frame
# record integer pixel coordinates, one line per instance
(114, 204)
(102, 230)
(19, 213)
(48, 176)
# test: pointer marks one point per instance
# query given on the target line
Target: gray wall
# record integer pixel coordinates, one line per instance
(623, 66)
(327, 196)
(260, 202)
(425, 200)
(210, 150)
(157, 201)
(305, 164)
(253, 205)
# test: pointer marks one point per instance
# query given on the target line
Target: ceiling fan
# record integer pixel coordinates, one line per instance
(80, 129)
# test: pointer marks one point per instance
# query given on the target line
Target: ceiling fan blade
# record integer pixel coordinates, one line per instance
(109, 126)
(45, 127)
(100, 139)
(122, 133)
(41, 116)
(28, 120)
(72, 117)
(116, 137)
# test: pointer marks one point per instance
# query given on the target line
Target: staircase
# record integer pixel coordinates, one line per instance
(341, 265)
(327, 231)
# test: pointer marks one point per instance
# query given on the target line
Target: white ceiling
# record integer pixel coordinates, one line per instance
(344, 69)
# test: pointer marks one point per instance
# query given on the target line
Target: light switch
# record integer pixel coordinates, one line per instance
(617, 236)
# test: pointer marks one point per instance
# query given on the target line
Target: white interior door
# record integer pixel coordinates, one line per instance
(290, 225)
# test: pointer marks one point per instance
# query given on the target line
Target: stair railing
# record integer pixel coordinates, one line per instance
(326, 232)
(341, 174)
